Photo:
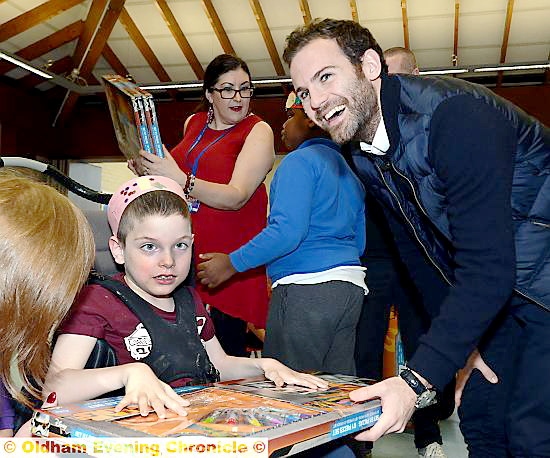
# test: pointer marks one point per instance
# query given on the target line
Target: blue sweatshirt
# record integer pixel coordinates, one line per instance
(317, 215)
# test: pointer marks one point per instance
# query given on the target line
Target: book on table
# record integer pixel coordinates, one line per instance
(133, 115)
(291, 418)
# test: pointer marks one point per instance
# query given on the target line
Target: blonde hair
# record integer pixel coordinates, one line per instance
(408, 59)
(46, 253)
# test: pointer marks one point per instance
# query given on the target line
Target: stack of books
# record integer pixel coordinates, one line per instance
(134, 116)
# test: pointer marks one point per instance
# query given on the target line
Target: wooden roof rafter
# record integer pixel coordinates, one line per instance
(454, 57)
(306, 13)
(34, 17)
(140, 42)
(94, 49)
(180, 38)
(46, 44)
(95, 14)
(405, 20)
(505, 37)
(354, 13)
(217, 26)
(268, 38)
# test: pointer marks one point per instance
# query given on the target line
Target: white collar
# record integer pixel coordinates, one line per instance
(380, 143)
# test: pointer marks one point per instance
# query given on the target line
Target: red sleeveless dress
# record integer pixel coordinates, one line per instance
(245, 295)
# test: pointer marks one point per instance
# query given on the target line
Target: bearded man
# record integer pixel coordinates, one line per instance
(464, 179)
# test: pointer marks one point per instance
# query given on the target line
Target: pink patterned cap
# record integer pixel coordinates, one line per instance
(134, 188)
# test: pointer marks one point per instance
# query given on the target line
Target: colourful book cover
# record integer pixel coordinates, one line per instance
(125, 115)
(287, 417)
(152, 122)
(134, 117)
(146, 138)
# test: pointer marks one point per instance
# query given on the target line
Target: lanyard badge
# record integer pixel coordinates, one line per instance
(193, 203)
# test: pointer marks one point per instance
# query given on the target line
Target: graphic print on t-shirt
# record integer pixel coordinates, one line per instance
(201, 321)
(139, 343)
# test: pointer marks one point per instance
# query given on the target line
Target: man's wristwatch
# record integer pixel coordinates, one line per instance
(424, 396)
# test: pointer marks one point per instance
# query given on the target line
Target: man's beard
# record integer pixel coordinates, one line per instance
(362, 110)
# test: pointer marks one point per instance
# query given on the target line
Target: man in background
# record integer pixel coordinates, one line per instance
(401, 60)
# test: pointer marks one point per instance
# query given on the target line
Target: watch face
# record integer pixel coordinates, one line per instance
(427, 398)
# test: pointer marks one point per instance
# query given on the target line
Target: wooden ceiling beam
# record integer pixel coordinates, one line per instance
(505, 37)
(146, 50)
(111, 14)
(47, 44)
(306, 13)
(268, 38)
(180, 38)
(103, 31)
(91, 24)
(354, 14)
(405, 19)
(113, 60)
(34, 17)
(454, 57)
(217, 26)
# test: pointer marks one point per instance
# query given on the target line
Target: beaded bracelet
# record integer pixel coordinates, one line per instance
(189, 185)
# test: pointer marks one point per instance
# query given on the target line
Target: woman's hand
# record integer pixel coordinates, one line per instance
(146, 391)
(26, 428)
(281, 375)
(475, 361)
(151, 164)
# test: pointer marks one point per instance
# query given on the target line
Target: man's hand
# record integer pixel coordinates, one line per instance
(475, 361)
(397, 400)
(215, 269)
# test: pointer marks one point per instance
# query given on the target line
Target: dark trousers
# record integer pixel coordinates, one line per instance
(231, 332)
(312, 327)
(390, 284)
(511, 418)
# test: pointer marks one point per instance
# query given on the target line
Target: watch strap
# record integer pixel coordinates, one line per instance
(413, 381)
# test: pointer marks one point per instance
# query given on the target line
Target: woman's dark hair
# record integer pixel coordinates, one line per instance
(217, 67)
(352, 38)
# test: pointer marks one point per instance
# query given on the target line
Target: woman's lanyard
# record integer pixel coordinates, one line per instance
(194, 204)
(195, 166)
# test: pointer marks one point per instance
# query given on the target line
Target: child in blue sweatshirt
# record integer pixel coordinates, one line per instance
(311, 247)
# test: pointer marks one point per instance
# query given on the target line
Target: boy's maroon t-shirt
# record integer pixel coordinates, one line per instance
(98, 313)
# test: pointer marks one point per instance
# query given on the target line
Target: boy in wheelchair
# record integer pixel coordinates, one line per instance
(158, 328)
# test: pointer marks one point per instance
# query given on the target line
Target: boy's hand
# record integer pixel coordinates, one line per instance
(215, 269)
(281, 374)
(146, 391)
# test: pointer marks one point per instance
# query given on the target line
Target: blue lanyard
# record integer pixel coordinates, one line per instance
(196, 142)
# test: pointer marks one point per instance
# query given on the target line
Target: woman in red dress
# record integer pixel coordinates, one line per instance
(221, 164)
